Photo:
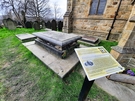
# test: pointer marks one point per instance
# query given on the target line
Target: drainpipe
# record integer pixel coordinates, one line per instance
(116, 14)
(133, 1)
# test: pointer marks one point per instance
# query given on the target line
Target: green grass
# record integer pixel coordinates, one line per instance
(108, 44)
(133, 69)
(23, 76)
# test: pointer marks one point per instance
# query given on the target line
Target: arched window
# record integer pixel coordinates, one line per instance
(97, 7)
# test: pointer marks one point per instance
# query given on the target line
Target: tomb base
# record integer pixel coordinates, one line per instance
(62, 52)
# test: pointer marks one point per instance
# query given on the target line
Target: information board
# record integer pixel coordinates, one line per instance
(97, 62)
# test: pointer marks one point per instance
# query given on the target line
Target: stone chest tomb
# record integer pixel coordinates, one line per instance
(62, 44)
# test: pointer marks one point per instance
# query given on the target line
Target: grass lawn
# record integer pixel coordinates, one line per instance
(25, 78)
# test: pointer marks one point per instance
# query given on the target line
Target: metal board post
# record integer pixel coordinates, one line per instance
(85, 89)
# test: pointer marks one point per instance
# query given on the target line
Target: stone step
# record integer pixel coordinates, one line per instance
(122, 91)
(26, 37)
(90, 41)
(61, 67)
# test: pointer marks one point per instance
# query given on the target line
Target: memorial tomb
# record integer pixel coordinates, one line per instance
(61, 44)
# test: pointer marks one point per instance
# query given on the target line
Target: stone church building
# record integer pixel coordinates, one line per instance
(95, 17)
(107, 20)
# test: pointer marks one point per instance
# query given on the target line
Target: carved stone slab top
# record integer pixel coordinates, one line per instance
(25, 37)
(90, 39)
(57, 38)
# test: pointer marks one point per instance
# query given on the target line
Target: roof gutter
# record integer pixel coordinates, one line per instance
(116, 14)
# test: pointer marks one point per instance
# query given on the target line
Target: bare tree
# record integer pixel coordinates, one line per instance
(24, 5)
(8, 14)
(38, 8)
(13, 5)
(34, 8)
(57, 11)
(23, 9)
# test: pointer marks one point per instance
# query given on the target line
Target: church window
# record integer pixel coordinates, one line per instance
(97, 7)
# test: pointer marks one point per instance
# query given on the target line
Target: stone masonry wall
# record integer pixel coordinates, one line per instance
(99, 25)
(125, 50)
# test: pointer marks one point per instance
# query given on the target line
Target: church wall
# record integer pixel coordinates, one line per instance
(99, 25)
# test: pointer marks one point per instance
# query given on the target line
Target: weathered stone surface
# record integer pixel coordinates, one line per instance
(93, 41)
(67, 24)
(54, 25)
(122, 58)
(90, 39)
(28, 24)
(36, 25)
(4, 22)
(129, 26)
(26, 37)
(115, 54)
(57, 38)
(42, 25)
(10, 24)
(131, 63)
(78, 20)
(121, 92)
(60, 25)
(122, 78)
(48, 25)
(60, 66)
(132, 19)
(126, 50)
(50, 39)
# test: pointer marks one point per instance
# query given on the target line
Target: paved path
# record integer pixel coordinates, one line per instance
(122, 91)
(119, 90)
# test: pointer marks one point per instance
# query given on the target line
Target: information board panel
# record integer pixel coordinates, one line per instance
(97, 62)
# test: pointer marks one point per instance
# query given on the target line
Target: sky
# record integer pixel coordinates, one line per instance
(62, 5)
